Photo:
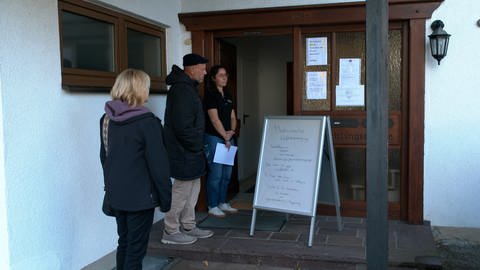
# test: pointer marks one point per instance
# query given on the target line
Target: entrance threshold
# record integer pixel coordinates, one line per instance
(332, 249)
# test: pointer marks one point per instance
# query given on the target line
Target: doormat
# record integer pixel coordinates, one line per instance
(243, 222)
(250, 190)
(242, 205)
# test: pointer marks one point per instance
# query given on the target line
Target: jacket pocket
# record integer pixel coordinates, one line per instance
(174, 149)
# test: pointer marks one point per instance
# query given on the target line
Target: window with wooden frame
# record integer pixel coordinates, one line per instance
(97, 43)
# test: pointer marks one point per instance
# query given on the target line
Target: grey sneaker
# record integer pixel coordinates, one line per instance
(198, 233)
(178, 238)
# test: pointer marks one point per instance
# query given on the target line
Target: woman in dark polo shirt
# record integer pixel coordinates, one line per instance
(220, 128)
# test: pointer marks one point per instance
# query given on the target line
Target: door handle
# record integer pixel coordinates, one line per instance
(244, 117)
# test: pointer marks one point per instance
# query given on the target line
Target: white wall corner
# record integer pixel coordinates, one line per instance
(186, 40)
(451, 172)
(4, 250)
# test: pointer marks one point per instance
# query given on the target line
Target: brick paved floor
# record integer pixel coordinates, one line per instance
(332, 249)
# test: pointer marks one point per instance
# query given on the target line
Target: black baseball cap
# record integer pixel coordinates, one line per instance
(192, 59)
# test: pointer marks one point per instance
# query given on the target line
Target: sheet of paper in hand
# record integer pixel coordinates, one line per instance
(224, 155)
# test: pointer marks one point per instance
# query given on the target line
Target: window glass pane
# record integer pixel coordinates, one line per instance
(394, 70)
(350, 45)
(394, 175)
(144, 52)
(351, 173)
(87, 43)
(321, 102)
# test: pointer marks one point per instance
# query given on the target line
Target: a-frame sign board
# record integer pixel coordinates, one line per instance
(296, 168)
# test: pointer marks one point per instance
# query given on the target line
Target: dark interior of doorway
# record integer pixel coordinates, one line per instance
(264, 86)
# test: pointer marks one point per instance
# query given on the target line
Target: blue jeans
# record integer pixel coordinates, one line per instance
(219, 175)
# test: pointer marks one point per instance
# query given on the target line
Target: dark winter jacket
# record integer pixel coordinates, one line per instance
(136, 170)
(184, 127)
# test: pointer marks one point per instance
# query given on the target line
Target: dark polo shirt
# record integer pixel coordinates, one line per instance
(224, 105)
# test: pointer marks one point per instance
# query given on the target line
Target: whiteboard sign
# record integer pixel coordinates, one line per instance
(296, 168)
(289, 167)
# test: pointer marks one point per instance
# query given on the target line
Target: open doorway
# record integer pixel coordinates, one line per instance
(262, 86)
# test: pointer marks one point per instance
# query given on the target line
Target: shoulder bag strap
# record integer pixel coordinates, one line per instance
(106, 120)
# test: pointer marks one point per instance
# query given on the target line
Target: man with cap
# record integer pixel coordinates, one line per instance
(184, 130)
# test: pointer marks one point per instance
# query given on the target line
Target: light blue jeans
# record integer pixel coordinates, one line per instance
(219, 175)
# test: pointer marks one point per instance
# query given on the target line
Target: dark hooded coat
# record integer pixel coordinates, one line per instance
(136, 170)
(184, 127)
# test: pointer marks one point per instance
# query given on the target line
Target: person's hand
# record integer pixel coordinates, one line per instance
(228, 135)
(228, 144)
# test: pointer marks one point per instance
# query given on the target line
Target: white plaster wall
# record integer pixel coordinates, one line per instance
(452, 98)
(4, 252)
(275, 52)
(53, 180)
(247, 103)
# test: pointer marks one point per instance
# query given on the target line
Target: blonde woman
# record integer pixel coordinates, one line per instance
(135, 165)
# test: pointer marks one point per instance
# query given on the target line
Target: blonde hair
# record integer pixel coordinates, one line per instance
(131, 86)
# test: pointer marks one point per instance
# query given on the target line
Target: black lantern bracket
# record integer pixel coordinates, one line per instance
(439, 40)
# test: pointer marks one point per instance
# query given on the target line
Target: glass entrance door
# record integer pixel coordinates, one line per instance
(334, 85)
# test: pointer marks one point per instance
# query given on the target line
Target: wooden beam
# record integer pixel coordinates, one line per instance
(416, 101)
(198, 42)
(297, 71)
(325, 14)
(377, 133)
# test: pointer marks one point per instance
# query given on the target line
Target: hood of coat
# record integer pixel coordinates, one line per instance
(120, 111)
(177, 75)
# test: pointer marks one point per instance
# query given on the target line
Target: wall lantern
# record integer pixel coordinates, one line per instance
(438, 40)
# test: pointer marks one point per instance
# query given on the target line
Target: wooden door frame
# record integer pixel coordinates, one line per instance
(204, 25)
(233, 187)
